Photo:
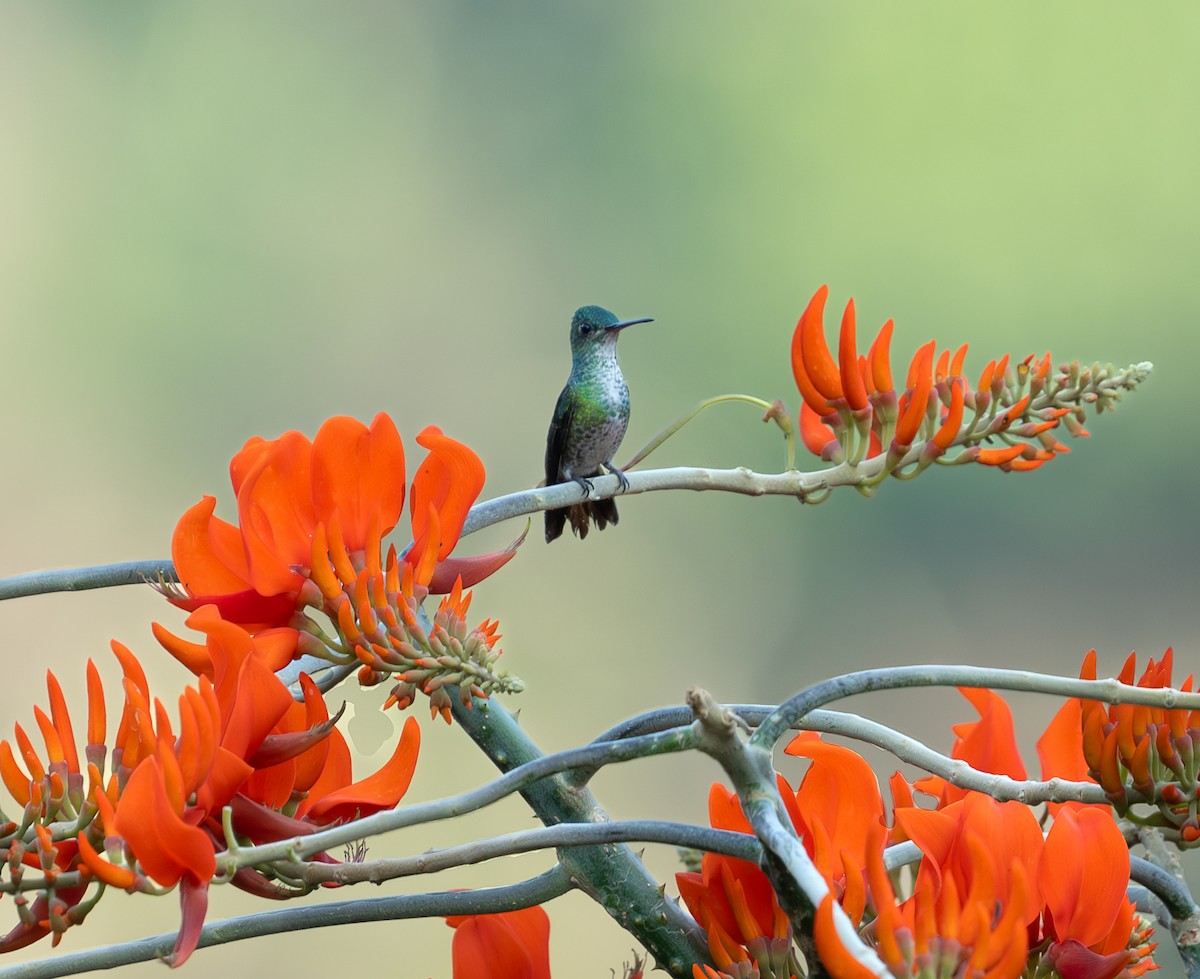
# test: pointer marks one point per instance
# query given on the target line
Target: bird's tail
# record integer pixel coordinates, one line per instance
(600, 512)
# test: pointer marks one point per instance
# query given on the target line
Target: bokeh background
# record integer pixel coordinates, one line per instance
(226, 219)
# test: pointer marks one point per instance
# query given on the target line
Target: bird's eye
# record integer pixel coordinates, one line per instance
(584, 329)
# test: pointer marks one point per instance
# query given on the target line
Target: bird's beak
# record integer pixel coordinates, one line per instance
(621, 326)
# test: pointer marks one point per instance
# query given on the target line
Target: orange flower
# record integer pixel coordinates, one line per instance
(838, 801)
(242, 741)
(1008, 830)
(1088, 918)
(508, 945)
(977, 931)
(733, 900)
(347, 485)
(834, 810)
(285, 488)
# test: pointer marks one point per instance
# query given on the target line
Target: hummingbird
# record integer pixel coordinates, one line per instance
(589, 420)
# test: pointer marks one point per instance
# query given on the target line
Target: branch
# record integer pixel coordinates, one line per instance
(537, 890)
(777, 724)
(902, 746)
(517, 779)
(83, 579)
(565, 834)
(490, 512)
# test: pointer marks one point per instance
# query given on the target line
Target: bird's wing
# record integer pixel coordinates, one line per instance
(556, 440)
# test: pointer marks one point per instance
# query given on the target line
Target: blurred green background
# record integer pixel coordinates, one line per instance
(230, 219)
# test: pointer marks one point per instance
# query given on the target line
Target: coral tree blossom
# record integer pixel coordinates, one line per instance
(240, 740)
(992, 897)
(347, 484)
(851, 409)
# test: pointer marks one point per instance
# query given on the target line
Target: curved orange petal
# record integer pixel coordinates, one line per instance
(194, 656)
(879, 359)
(450, 479)
(913, 413)
(246, 459)
(840, 792)
(335, 775)
(14, 778)
(259, 703)
(945, 436)
(837, 960)
(814, 351)
(809, 391)
(375, 792)
(1011, 834)
(276, 515)
(989, 744)
(207, 552)
(165, 846)
(1084, 874)
(507, 945)
(934, 831)
(1060, 747)
(359, 473)
(852, 380)
(814, 432)
(310, 764)
(109, 873)
(227, 773)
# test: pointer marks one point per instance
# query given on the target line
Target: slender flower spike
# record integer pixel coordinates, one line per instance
(850, 408)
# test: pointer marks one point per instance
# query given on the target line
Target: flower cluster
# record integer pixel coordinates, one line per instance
(160, 803)
(311, 519)
(851, 409)
(1141, 756)
(146, 808)
(993, 896)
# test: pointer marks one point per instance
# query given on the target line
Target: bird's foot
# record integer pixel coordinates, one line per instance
(621, 477)
(584, 484)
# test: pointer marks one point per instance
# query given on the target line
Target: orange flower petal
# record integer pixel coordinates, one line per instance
(166, 847)
(358, 473)
(809, 390)
(852, 381)
(276, 515)
(1084, 874)
(840, 792)
(109, 873)
(815, 433)
(450, 479)
(879, 359)
(837, 960)
(501, 946)
(207, 552)
(945, 436)
(375, 792)
(819, 363)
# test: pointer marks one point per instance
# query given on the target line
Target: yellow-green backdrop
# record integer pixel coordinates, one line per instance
(228, 219)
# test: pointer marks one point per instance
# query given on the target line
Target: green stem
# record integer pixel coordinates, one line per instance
(789, 435)
(612, 875)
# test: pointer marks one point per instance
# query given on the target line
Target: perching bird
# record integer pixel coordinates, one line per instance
(589, 420)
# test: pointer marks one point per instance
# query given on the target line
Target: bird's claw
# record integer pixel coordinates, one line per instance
(584, 484)
(622, 479)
